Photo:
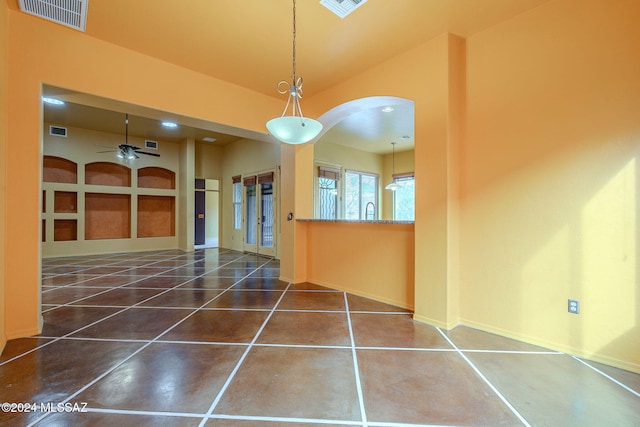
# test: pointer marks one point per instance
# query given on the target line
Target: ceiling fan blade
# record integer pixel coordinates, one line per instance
(148, 154)
(108, 151)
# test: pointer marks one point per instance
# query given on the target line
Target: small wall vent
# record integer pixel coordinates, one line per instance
(71, 13)
(58, 131)
(342, 7)
(151, 145)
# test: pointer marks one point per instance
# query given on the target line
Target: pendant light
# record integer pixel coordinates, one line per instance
(293, 129)
(393, 186)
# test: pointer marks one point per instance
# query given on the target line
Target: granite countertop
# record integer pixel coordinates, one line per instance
(356, 221)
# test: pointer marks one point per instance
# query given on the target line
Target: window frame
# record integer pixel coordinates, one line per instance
(362, 214)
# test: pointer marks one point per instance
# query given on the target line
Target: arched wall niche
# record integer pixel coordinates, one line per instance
(156, 177)
(58, 169)
(107, 173)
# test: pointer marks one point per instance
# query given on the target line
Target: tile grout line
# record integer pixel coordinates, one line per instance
(137, 305)
(164, 290)
(109, 264)
(56, 339)
(225, 386)
(609, 377)
(243, 417)
(201, 307)
(122, 286)
(285, 419)
(117, 365)
(485, 379)
(123, 309)
(356, 367)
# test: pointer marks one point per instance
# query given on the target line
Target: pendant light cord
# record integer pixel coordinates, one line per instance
(393, 159)
(294, 43)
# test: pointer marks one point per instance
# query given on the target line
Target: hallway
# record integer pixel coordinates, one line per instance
(213, 338)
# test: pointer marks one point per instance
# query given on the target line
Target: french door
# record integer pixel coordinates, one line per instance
(259, 214)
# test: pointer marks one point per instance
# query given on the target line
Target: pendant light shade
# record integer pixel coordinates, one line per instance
(294, 128)
(393, 186)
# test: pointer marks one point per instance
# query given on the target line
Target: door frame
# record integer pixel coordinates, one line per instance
(259, 249)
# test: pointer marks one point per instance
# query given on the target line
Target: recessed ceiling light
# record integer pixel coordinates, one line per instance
(171, 125)
(52, 101)
(387, 109)
(208, 139)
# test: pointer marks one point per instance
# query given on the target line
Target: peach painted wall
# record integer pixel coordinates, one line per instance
(42, 52)
(370, 260)
(4, 122)
(242, 158)
(209, 160)
(82, 147)
(424, 72)
(551, 178)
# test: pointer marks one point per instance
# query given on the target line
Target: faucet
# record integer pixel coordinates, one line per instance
(373, 211)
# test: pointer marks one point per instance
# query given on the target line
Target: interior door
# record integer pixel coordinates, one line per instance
(200, 209)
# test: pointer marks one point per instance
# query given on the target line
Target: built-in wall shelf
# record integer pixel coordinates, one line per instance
(107, 173)
(57, 169)
(156, 216)
(107, 216)
(99, 202)
(154, 177)
(65, 202)
(65, 230)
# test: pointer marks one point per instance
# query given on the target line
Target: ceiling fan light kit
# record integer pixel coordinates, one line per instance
(127, 151)
(293, 129)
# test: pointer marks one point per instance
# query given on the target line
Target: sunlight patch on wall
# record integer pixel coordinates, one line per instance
(609, 261)
(543, 301)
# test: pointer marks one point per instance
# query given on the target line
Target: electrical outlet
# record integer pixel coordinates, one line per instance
(574, 306)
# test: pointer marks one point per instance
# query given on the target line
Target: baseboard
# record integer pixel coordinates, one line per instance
(610, 361)
(365, 295)
(432, 322)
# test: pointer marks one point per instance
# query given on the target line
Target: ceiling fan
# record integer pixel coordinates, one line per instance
(127, 151)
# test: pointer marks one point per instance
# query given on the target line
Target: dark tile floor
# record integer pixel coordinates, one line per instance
(213, 338)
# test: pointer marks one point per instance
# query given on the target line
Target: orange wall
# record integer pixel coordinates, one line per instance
(550, 179)
(3, 159)
(542, 161)
(42, 52)
(296, 198)
(371, 260)
(421, 74)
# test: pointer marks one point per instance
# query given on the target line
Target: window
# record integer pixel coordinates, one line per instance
(328, 179)
(404, 198)
(361, 192)
(237, 202)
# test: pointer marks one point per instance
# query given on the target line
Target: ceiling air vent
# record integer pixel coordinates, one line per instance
(58, 131)
(72, 13)
(342, 7)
